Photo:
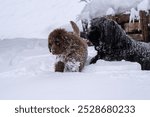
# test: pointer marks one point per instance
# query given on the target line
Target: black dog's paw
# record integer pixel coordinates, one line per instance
(94, 60)
(145, 65)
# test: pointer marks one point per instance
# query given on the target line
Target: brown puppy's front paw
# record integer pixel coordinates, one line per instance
(59, 67)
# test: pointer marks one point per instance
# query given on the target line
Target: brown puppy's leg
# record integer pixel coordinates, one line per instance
(59, 67)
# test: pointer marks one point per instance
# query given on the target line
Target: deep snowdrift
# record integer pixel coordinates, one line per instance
(100, 8)
(27, 72)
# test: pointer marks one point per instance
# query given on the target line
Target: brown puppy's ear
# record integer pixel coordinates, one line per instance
(75, 28)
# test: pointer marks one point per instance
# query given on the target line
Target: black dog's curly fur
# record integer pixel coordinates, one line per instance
(112, 43)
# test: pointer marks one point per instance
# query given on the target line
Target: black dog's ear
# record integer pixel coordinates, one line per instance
(93, 35)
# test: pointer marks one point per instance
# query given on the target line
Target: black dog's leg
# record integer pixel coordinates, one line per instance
(100, 55)
(94, 59)
(145, 65)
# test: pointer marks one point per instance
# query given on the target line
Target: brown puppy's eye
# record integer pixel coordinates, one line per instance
(57, 41)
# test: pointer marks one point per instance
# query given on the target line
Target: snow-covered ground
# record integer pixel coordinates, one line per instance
(27, 67)
(27, 72)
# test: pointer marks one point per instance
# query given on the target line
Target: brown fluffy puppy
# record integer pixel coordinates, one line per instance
(70, 49)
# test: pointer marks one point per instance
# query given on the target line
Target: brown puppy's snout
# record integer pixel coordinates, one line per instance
(57, 41)
(50, 49)
(49, 46)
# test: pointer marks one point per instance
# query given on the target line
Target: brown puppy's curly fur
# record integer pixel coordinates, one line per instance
(70, 49)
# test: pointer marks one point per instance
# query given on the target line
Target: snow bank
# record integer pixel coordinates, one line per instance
(27, 72)
(98, 8)
(144, 5)
(35, 18)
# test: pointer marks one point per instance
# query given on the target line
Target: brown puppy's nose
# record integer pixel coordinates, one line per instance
(49, 48)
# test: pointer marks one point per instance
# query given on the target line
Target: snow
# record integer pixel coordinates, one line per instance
(35, 18)
(27, 66)
(72, 66)
(110, 11)
(144, 5)
(27, 72)
(98, 8)
(134, 14)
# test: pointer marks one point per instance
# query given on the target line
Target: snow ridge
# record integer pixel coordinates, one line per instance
(98, 8)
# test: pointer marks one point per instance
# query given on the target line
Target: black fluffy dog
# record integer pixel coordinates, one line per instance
(112, 44)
